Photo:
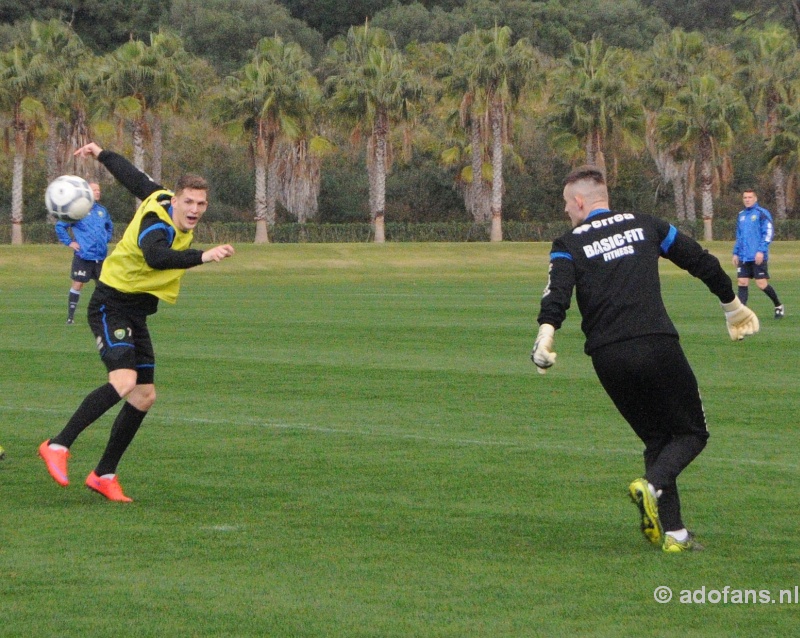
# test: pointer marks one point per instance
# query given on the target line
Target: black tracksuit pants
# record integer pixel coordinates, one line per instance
(653, 386)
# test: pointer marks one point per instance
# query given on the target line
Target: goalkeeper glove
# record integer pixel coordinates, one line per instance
(741, 321)
(542, 354)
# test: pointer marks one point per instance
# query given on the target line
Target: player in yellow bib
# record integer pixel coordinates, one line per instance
(146, 266)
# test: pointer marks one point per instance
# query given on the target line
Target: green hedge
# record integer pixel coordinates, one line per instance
(244, 232)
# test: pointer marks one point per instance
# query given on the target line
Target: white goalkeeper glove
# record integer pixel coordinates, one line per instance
(542, 354)
(742, 322)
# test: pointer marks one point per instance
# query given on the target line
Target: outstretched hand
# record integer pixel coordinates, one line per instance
(218, 253)
(89, 150)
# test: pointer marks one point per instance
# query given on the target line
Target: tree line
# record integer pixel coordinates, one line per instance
(386, 120)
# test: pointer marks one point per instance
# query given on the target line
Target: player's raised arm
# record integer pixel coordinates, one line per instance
(139, 183)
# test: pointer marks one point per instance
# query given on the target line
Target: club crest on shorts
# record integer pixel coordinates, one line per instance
(119, 334)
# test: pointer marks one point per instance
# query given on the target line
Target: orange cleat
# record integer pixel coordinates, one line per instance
(56, 461)
(110, 488)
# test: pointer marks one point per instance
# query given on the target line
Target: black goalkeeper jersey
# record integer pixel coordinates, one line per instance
(611, 259)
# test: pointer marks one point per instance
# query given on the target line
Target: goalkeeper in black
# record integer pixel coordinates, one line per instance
(611, 259)
(145, 267)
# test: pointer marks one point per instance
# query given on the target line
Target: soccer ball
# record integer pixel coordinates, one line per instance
(69, 198)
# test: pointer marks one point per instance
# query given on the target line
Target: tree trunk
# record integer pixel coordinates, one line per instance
(670, 171)
(372, 179)
(687, 170)
(779, 184)
(262, 237)
(594, 149)
(706, 184)
(479, 194)
(138, 144)
(17, 184)
(475, 191)
(272, 190)
(158, 146)
(138, 148)
(53, 165)
(679, 191)
(496, 231)
(708, 229)
(78, 137)
(589, 149)
(380, 231)
(381, 133)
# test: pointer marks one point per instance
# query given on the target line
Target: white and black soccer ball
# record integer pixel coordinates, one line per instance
(69, 198)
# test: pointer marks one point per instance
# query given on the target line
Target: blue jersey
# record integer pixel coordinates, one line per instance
(93, 233)
(754, 233)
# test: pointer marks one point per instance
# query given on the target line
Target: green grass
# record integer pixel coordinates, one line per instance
(350, 440)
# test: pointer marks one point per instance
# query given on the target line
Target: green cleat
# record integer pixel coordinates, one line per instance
(674, 546)
(647, 503)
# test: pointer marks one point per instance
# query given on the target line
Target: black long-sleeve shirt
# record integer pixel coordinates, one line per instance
(611, 259)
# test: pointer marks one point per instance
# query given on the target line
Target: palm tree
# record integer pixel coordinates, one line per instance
(595, 100)
(128, 78)
(270, 96)
(372, 85)
(22, 71)
(783, 151)
(175, 86)
(674, 58)
(704, 115)
(141, 79)
(470, 118)
(769, 70)
(300, 174)
(498, 74)
(70, 84)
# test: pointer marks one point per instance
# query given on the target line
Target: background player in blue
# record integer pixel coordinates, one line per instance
(611, 259)
(754, 234)
(89, 239)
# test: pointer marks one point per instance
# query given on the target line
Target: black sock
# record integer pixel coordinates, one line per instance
(95, 405)
(669, 508)
(74, 297)
(673, 459)
(770, 292)
(743, 294)
(122, 432)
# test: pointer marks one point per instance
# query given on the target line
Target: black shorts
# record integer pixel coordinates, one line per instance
(653, 386)
(751, 270)
(123, 339)
(84, 270)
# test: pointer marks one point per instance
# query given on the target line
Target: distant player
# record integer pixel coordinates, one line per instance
(754, 234)
(611, 261)
(89, 239)
(146, 266)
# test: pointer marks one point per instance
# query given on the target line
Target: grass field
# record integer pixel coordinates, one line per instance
(350, 440)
